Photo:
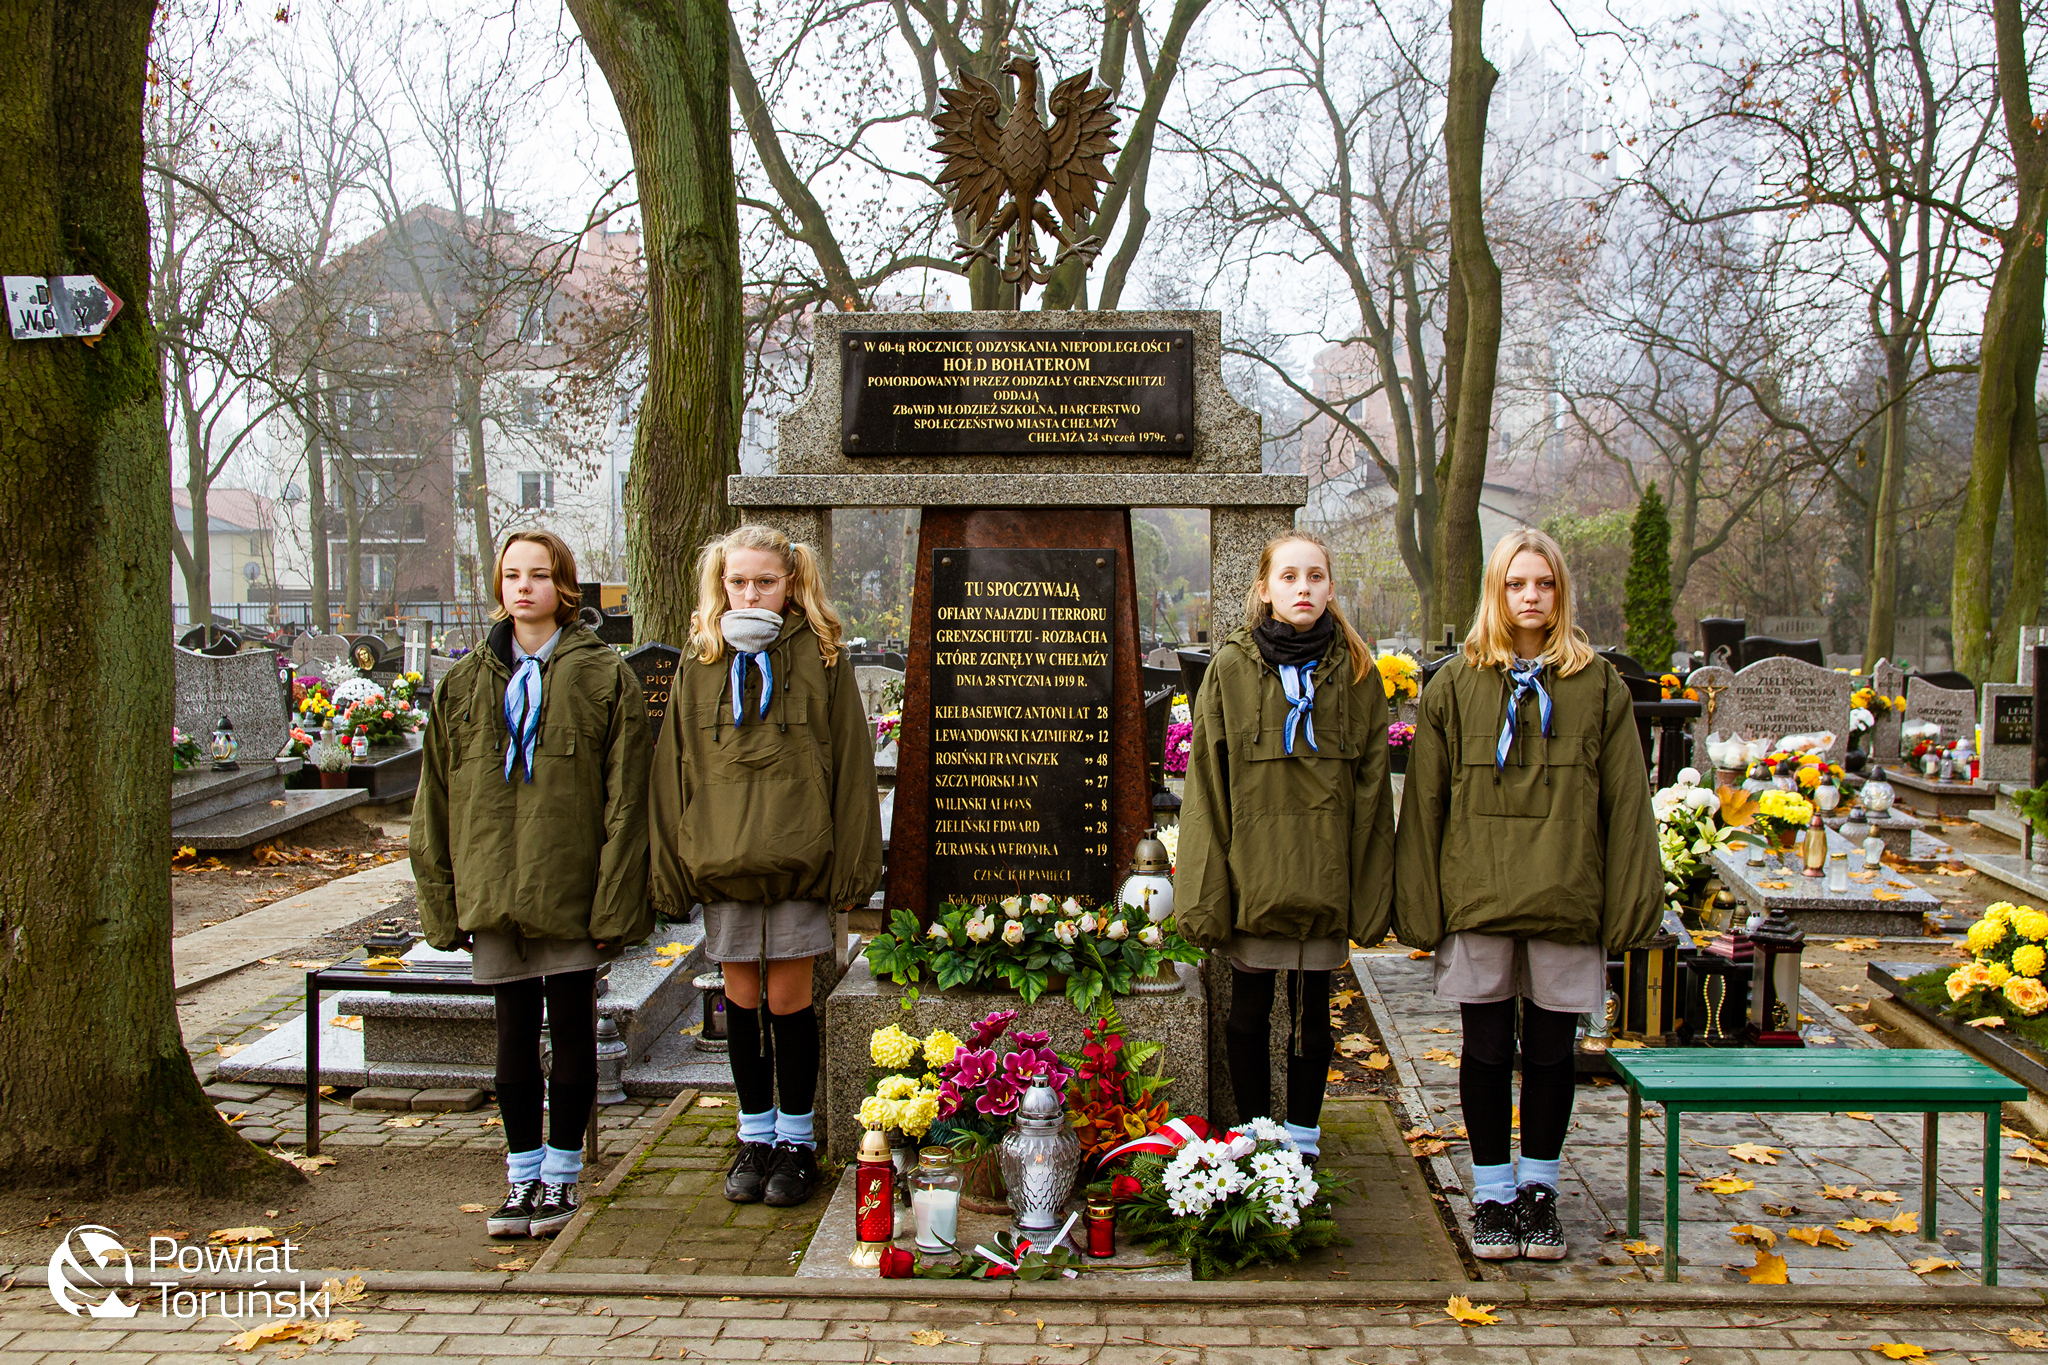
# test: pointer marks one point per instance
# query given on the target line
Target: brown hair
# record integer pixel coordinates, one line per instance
(1491, 641)
(806, 590)
(1256, 610)
(561, 566)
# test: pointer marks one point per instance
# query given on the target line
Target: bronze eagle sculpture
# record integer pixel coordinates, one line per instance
(988, 157)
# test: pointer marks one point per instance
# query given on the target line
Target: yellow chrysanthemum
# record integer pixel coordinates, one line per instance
(1998, 912)
(892, 1047)
(1985, 934)
(916, 1116)
(896, 1088)
(2026, 995)
(2030, 923)
(1996, 974)
(939, 1047)
(877, 1113)
(2030, 959)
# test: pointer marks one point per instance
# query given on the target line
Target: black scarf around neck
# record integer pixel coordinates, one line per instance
(1280, 643)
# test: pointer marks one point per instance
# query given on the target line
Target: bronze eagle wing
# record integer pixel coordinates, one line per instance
(970, 141)
(1083, 124)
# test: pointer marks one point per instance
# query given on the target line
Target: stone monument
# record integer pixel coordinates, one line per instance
(1773, 698)
(1954, 710)
(2007, 724)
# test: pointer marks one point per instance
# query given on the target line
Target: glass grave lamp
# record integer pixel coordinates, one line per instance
(225, 746)
(1878, 795)
(1149, 887)
(1774, 982)
(1649, 992)
(1827, 795)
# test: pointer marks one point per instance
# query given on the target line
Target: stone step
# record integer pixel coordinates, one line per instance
(2030, 879)
(247, 826)
(2002, 820)
(201, 792)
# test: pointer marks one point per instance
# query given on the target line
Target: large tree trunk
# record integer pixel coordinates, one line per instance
(316, 526)
(1884, 513)
(666, 64)
(470, 407)
(1475, 312)
(2006, 447)
(95, 1085)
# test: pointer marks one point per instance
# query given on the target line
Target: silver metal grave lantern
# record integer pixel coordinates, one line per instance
(1149, 888)
(611, 1062)
(1040, 1157)
(225, 746)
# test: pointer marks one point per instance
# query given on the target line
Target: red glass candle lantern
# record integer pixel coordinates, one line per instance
(874, 1200)
(1101, 1229)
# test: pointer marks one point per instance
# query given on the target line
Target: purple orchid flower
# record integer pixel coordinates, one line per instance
(991, 1028)
(1037, 1039)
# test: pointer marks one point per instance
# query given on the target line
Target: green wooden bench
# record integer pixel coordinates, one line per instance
(1805, 1081)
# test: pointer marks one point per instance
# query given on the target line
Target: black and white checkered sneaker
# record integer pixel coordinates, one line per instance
(1496, 1232)
(1536, 1211)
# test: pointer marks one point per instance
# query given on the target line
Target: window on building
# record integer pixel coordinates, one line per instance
(536, 490)
(534, 407)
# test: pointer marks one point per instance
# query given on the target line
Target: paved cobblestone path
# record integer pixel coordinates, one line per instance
(1126, 1330)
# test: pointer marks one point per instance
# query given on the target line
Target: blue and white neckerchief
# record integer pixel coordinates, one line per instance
(1527, 678)
(1299, 683)
(739, 683)
(522, 714)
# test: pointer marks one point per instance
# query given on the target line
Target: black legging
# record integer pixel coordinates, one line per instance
(572, 1079)
(1486, 1075)
(785, 1062)
(1248, 1036)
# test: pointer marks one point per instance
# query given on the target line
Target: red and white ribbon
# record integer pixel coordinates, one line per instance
(1168, 1137)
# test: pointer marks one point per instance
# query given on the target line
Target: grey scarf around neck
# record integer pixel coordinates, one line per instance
(750, 628)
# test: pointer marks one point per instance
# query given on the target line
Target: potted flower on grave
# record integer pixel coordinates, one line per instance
(1180, 738)
(185, 752)
(332, 760)
(1689, 832)
(903, 1091)
(980, 1086)
(1400, 743)
(1111, 1098)
(2001, 986)
(1782, 814)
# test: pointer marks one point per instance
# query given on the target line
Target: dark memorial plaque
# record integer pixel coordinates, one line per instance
(1018, 393)
(655, 666)
(1020, 723)
(2012, 720)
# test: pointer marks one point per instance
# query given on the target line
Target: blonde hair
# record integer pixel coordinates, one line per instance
(806, 590)
(1491, 640)
(561, 567)
(1257, 611)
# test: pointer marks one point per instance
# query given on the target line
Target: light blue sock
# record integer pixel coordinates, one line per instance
(1307, 1140)
(523, 1166)
(561, 1166)
(795, 1128)
(1530, 1171)
(1494, 1184)
(758, 1127)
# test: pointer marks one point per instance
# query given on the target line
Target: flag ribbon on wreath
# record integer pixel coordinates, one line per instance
(1167, 1137)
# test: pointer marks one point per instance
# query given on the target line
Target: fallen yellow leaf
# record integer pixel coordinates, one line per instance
(1334, 1077)
(305, 966)
(1462, 1309)
(1898, 1350)
(384, 962)
(1756, 1153)
(1775, 886)
(1859, 1224)
(1928, 1265)
(1752, 1235)
(2033, 1154)
(1430, 1147)
(349, 1291)
(1725, 1184)
(1879, 1197)
(258, 1336)
(1859, 1114)
(233, 1235)
(1640, 1248)
(1855, 945)
(406, 1121)
(1838, 1191)
(1881, 894)
(1909, 1221)
(1379, 1061)
(1418, 955)
(1442, 1057)
(1818, 1237)
(2028, 1338)
(475, 1208)
(308, 1164)
(713, 1102)
(928, 1337)
(353, 1022)
(1769, 1268)
(1986, 1021)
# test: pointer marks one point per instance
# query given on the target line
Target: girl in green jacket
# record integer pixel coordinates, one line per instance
(1287, 825)
(766, 813)
(529, 849)
(1527, 854)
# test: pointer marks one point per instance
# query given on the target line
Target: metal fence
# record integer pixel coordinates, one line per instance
(263, 617)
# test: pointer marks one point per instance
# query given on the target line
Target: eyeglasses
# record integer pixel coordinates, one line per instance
(762, 586)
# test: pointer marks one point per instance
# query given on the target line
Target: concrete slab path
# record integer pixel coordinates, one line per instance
(209, 954)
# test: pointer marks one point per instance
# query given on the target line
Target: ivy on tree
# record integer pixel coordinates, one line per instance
(1646, 601)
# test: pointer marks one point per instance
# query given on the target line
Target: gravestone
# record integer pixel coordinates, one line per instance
(243, 687)
(326, 649)
(2008, 728)
(2029, 637)
(873, 678)
(1954, 710)
(1773, 698)
(655, 666)
(1882, 743)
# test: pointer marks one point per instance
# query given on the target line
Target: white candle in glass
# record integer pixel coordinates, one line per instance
(1873, 852)
(1838, 872)
(937, 1214)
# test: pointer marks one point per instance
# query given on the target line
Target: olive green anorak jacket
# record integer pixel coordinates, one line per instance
(1560, 844)
(1274, 845)
(563, 856)
(781, 809)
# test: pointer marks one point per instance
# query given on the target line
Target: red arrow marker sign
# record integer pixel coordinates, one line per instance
(39, 307)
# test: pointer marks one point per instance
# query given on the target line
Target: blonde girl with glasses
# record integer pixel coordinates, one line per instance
(764, 811)
(1527, 854)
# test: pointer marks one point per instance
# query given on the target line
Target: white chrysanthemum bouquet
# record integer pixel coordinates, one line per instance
(1224, 1204)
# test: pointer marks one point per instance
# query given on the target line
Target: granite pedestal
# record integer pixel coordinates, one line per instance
(862, 1004)
(1928, 796)
(242, 808)
(2003, 817)
(1818, 910)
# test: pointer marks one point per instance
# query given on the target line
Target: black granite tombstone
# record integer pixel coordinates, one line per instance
(1721, 639)
(1755, 647)
(655, 666)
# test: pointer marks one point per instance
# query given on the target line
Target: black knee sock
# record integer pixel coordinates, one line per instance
(796, 1059)
(1486, 1078)
(1548, 1038)
(753, 1068)
(519, 1086)
(1248, 1043)
(1308, 1069)
(572, 1079)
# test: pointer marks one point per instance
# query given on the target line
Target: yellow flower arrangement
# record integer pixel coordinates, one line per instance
(2007, 957)
(2032, 925)
(1400, 675)
(939, 1047)
(891, 1047)
(878, 1114)
(1996, 974)
(1786, 809)
(2029, 960)
(919, 1113)
(895, 1088)
(1985, 934)
(2026, 995)
(1999, 912)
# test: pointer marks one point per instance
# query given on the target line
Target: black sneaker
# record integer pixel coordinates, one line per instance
(1536, 1211)
(749, 1172)
(1496, 1231)
(794, 1177)
(516, 1212)
(558, 1204)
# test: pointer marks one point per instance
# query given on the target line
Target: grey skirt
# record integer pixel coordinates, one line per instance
(497, 958)
(1480, 969)
(1250, 954)
(733, 930)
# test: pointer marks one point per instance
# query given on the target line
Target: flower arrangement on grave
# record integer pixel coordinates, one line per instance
(185, 751)
(2032, 804)
(1400, 675)
(1225, 1203)
(379, 719)
(1111, 1098)
(2001, 985)
(1400, 734)
(1689, 831)
(1169, 835)
(1180, 742)
(981, 1083)
(887, 726)
(1025, 944)
(313, 700)
(1779, 813)
(407, 687)
(1808, 768)
(330, 758)
(903, 1092)
(1875, 702)
(1674, 687)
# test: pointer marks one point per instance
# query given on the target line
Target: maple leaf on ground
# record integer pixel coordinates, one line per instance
(1752, 1235)
(1769, 1269)
(1898, 1350)
(1855, 945)
(1335, 1077)
(1879, 1197)
(1838, 1191)
(1909, 1221)
(406, 1121)
(1442, 1057)
(2033, 1154)
(230, 1236)
(1859, 1225)
(258, 1336)
(1432, 1147)
(1725, 1184)
(2028, 1338)
(1756, 1153)
(308, 1164)
(349, 1291)
(1640, 1248)
(1379, 1061)
(1859, 1114)
(1928, 1265)
(1818, 1237)
(712, 1102)
(928, 1337)
(475, 1208)
(1985, 1021)
(1462, 1309)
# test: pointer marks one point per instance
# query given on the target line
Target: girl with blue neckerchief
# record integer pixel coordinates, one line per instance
(1287, 825)
(766, 813)
(1527, 855)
